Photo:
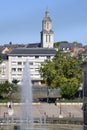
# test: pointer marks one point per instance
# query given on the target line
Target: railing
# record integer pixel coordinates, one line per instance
(47, 120)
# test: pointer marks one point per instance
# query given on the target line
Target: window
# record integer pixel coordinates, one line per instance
(47, 25)
(13, 69)
(19, 56)
(19, 69)
(19, 63)
(36, 56)
(48, 57)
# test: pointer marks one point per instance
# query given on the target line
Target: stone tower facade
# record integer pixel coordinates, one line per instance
(47, 34)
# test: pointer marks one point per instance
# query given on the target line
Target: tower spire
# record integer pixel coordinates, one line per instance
(46, 13)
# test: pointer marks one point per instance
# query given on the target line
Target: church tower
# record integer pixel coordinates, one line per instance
(47, 34)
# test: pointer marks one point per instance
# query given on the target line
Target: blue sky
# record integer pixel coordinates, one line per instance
(21, 20)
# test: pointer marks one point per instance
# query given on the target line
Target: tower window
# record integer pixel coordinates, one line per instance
(46, 38)
(47, 25)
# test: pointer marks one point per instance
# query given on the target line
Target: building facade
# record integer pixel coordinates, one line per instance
(35, 56)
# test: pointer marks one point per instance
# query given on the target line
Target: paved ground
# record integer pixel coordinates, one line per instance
(46, 109)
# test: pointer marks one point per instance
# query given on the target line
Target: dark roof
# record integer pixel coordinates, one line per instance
(69, 45)
(33, 51)
(30, 45)
(33, 45)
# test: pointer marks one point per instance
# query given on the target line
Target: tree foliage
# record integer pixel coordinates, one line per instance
(64, 72)
(69, 87)
(7, 89)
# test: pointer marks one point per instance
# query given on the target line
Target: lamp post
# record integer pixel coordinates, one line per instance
(60, 107)
(60, 110)
(47, 94)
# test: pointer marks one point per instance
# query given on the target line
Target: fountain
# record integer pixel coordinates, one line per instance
(26, 97)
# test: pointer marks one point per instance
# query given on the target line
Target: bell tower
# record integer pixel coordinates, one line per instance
(47, 34)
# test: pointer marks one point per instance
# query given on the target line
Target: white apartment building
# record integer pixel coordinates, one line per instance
(35, 56)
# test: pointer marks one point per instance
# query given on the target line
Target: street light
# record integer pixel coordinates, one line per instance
(60, 110)
(47, 94)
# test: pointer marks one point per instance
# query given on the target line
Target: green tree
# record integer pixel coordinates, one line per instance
(61, 71)
(7, 89)
(68, 87)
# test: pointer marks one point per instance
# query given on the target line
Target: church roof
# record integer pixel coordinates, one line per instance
(33, 51)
